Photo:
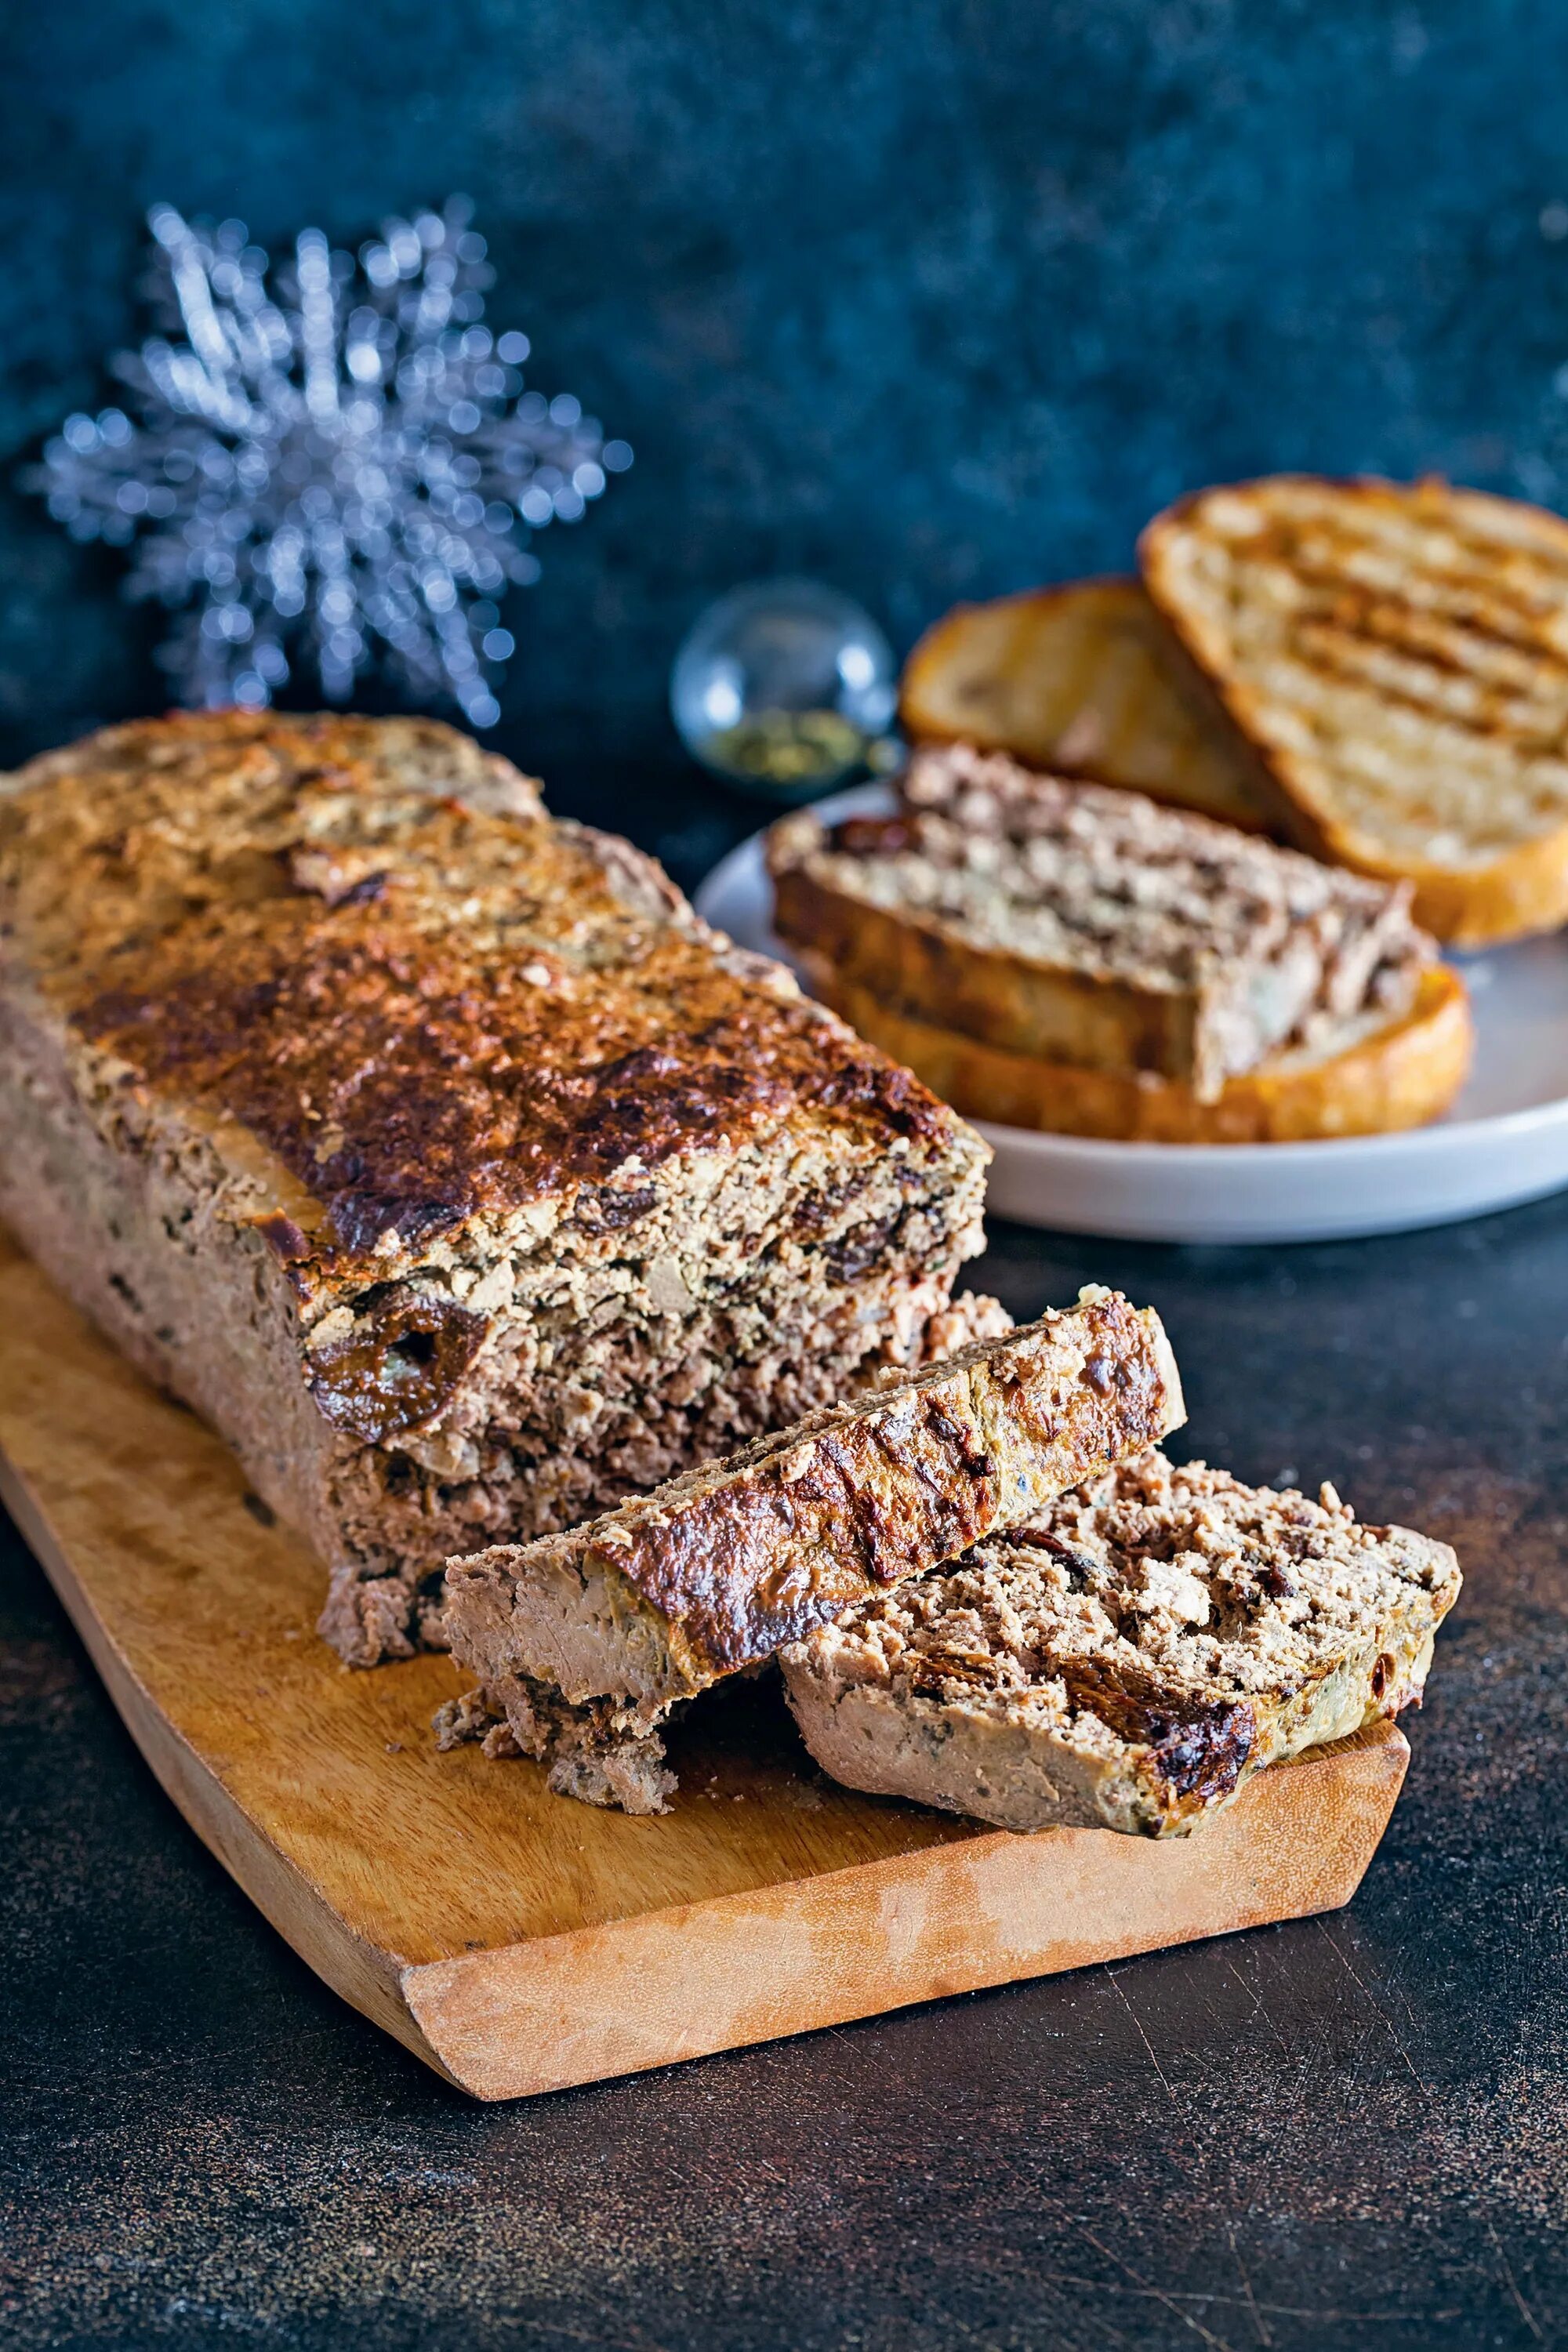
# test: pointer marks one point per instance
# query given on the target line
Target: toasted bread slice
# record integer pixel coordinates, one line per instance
(1128, 1659)
(1082, 680)
(1401, 1073)
(1398, 658)
(1077, 924)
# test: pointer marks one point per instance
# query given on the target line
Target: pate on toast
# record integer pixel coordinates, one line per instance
(1128, 1659)
(1395, 659)
(1073, 923)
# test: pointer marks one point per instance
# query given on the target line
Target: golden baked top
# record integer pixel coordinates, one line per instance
(366, 941)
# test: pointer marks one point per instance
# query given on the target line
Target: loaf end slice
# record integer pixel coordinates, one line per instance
(1130, 1658)
(1394, 658)
(713, 1572)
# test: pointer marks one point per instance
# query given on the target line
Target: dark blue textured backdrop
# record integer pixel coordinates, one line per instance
(934, 298)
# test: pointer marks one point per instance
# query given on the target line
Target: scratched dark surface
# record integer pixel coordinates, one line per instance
(1323, 2133)
(933, 300)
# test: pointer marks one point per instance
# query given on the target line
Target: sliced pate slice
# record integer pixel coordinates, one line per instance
(1077, 924)
(1128, 1658)
(649, 1603)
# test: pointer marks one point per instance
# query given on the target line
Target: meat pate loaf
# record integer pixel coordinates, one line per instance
(431, 1147)
(1128, 1659)
(654, 1602)
(1079, 924)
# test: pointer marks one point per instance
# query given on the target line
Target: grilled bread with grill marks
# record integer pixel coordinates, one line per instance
(1128, 1659)
(1085, 681)
(1396, 658)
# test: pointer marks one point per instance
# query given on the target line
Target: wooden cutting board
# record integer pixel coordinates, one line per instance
(516, 1941)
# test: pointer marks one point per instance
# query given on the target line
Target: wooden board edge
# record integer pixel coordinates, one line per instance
(368, 1979)
(791, 1957)
(738, 1969)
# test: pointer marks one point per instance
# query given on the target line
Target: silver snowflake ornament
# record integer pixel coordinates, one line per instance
(329, 466)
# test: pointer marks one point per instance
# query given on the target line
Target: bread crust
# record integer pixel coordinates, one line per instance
(1072, 923)
(653, 1602)
(1476, 902)
(1401, 1076)
(1082, 680)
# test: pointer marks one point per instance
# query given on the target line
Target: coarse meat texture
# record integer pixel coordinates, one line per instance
(641, 1609)
(431, 1147)
(1130, 1657)
(1080, 924)
(592, 1752)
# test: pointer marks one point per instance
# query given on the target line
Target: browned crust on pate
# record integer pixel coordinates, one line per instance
(429, 1000)
(735, 1560)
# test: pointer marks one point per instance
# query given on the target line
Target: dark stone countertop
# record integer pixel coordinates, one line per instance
(1316, 2135)
(931, 301)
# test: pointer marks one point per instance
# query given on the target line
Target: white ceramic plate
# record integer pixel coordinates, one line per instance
(1506, 1140)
